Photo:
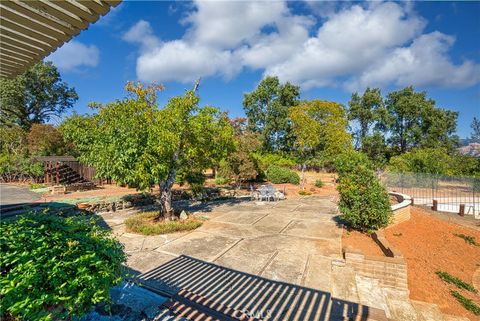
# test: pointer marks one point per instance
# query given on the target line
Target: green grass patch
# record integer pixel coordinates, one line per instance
(145, 223)
(466, 302)
(447, 277)
(467, 238)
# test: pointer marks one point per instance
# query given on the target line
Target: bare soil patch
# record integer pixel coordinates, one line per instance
(428, 245)
(361, 242)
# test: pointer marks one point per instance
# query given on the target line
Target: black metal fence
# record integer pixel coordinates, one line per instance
(448, 193)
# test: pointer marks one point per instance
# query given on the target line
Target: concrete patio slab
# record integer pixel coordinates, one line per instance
(200, 245)
(318, 274)
(242, 217)
(272, 223)
(286, 267)
(313, 229)
(229, 229)
(143, 261)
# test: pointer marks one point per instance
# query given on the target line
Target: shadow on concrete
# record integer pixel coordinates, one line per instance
(210, 206)
(222, 292)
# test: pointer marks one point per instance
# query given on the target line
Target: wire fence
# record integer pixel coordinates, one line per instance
(449, 193)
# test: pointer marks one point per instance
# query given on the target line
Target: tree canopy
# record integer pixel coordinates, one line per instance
(267, 111)
(136, 143)
(35, 96)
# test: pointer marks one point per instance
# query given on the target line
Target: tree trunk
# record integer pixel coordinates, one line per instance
(166, 210)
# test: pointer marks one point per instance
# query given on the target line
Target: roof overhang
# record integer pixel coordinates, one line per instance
(31, 30)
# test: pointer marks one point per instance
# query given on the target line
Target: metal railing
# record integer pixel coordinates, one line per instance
(453, 194)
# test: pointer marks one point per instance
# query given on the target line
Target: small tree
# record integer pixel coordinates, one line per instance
(319, 127)
(134, 142)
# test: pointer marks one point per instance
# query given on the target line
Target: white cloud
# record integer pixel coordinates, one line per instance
(353, 46)
(73, 55)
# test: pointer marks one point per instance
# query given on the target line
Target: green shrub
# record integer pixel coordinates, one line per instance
(319, 183)
(447, 277)
(279, 175)
(364, 201)
(466, 302)
(278, 160)
(221, 181)
(55, 267)
(349, 161)
(467, 238)
(144, 223)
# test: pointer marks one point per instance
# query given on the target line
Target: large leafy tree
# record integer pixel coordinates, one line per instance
(35, 96)
(319, 127)
(134, 142)
(415, 121)
(368, 111)
(267, 111)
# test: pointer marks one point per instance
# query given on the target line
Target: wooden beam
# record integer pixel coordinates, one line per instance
(40, 16)
(17, 51)
(29, 22)
(78, 9)
(19, 44)
(16, 36)
(28, 32)
(8, 68)
(96, 6)
(9, 56)
(54, 10)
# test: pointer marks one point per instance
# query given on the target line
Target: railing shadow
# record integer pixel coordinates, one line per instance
(255, 296)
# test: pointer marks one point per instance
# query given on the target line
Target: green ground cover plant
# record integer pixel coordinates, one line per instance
(319, 183)
(447, 277)
(466, 302)
(280, 175)
(145, 223)
(53, 267)
(467, 238)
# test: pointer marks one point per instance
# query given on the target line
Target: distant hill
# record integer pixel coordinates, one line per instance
(465, 141)
(472, 149)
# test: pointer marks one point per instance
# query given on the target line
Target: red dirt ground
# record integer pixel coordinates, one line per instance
(362, 242)
(428, 245)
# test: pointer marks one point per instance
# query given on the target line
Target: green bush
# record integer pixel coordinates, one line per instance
(221, 181)
(349, 161)
(55, 267)
(279, 175)
(267, 160)
(364, 201)
(319, 183)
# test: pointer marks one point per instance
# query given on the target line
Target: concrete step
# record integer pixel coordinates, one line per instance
(399, 306)
(344, 284)
(427, 311)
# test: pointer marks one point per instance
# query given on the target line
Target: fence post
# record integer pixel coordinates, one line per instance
(435, 205)
(461, 211)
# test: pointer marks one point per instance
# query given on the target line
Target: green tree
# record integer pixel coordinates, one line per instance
(136, 143)
(46, 140)
(475, 130)
(241, 164)
(415, 121)
(368, 111)
(267, 112)
(319, 127)
(35, 96)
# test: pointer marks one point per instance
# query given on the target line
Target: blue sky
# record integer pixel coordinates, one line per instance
(330, 49)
